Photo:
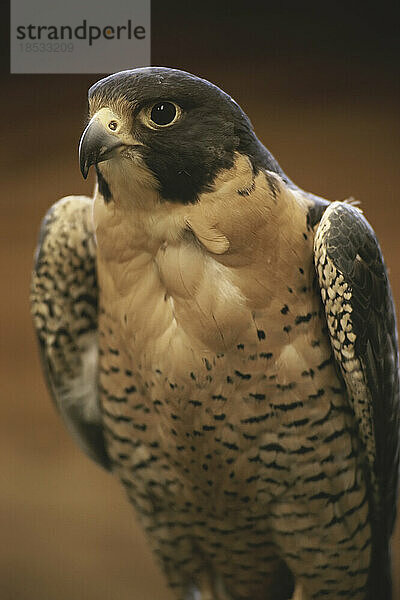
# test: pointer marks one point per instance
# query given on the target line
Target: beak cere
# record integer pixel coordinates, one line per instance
(96, 144)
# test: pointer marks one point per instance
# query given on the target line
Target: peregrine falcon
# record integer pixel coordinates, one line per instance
(225, 343)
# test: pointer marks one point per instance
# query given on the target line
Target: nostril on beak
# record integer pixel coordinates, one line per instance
(96, 145)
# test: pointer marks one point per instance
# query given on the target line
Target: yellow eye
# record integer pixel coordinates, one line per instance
(113, 125)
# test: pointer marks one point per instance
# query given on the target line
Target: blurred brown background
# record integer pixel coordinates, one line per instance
(321, 88)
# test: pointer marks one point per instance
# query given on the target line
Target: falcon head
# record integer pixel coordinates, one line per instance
(166, 127)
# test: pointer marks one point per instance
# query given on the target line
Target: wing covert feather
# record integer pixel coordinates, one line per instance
(64, 309)
(361, 320)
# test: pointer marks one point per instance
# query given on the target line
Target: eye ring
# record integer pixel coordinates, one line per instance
(113, 125)
(162, 114)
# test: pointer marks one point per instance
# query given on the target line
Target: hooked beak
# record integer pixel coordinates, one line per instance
(96, 144)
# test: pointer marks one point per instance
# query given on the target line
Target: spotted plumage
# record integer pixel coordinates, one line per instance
(225, 343)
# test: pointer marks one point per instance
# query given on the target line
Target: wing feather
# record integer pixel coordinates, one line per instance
(64, 309)
(360, 313)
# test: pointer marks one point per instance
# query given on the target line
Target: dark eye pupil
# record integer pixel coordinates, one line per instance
(163, 113)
